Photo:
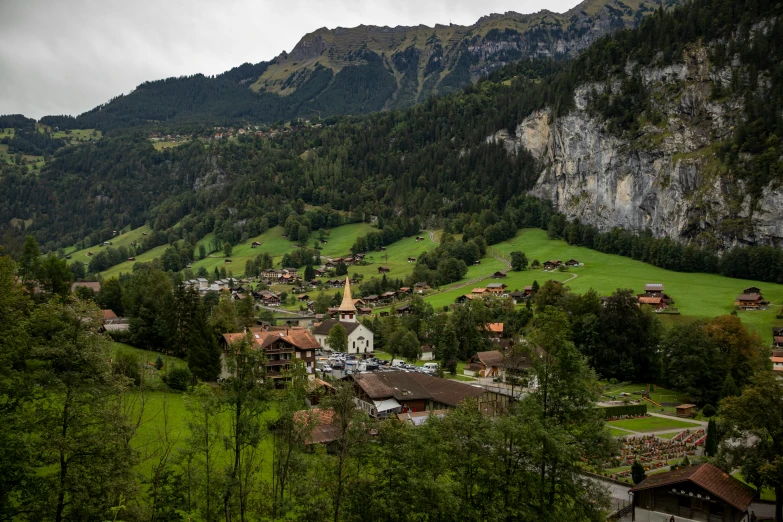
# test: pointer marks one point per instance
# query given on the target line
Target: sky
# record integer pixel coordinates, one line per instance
(66, 57)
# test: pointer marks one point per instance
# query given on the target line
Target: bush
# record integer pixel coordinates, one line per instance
(619, 411)
(127, 363)
(613, 381)
(179, 378)
(708, 410)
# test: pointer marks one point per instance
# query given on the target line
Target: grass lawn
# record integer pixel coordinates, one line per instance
(648, 424)
(125, 238)
(616, 432)
(667, 435)
(695, 295)
(659, 395)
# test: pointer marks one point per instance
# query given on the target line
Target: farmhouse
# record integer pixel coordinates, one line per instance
(750, 300)
(495, 330)
(280, 347)
(500, 274)
(319, 425)
(411, 260)
(702, 492)
(421, 287)
(572, 262)
(653, 288)
(497, 289)
(518, 296)
(388, 393)
(657, 302)
(360, 338)
(552, 264)
(777, 337)
(384, 269)
(485, 364)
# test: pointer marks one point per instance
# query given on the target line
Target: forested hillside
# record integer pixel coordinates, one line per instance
(367, 68)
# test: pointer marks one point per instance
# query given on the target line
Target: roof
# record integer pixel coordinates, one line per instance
(491, 358)
(347, 304)
(420, 417)
(407, 386)
(109, 314)
(302, 339)
(326, 326)
(655, 287)
(684, 406)
(478, 290)
(777, 359)
(322, 424)
(708, 477)
(496, 285)
(495, 327)
(650, 300)
(748, 297)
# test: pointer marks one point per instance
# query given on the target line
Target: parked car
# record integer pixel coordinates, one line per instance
(326, 368)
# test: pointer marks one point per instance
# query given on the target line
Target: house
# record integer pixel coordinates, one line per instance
(777, 360)
(360, 338)
(364, 311)
(751, 301)
(572, 262)
(702, 492)
(777, 337)
(255, 244)
(371, 298)
(653, 288)
(280, 346)
(518, 296)
(497, 289)
(495, 330)
(552, 264)
(485, 364)
(389, 393)
(95, 287)
(388, 296)
(411, 260)
(108, 316)
(752, 290)
(427, 353)
(402, 292)
(686, 410)
(462, 299)
(500, 274)
(404, 309)
(319, 425)
(303, 297)
(421, 287)
(384, 269)
(227, 260)
(657, 302)
(479, 292)
(528, 290)
(419, 238)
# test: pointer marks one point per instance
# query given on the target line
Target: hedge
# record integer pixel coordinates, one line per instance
(631, 409)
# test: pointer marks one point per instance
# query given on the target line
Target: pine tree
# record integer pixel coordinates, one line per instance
(204, 356)
(711, 444)
(309, 273)
(729, 388)
(637, 472)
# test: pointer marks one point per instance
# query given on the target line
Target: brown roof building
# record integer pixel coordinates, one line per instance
(702, 492)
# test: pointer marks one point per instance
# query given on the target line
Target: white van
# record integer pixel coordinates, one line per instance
(398, 362)
(431, 366)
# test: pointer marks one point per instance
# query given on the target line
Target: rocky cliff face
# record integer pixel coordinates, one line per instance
(668, 179)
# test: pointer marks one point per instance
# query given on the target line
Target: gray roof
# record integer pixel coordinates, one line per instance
(326, 326)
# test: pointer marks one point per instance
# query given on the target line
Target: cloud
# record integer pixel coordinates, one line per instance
(67, 57)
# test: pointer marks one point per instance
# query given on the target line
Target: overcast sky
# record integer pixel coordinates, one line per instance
(67, 56)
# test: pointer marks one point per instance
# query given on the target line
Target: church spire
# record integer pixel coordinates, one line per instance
(347, 309)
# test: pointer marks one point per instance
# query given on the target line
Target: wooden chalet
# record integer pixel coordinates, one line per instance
(404, 309)
(500, 274)
(777, 337)
(750, 301)
(479, 292)
(319, 427)
(518, 296)
(485, 364)
(657, 302)
(696, 493)
(462, 299)
(419, 238)
(421, 287)
(371, 299)
(303, 297)
(686, 410)
(255, 244)
(364, 311)
(552, 264)
(495, 330)
(653, 288)
(411, 260)
(402, 292)
(388, 296)
(384, 269)
(497, 289)
(572, 262)
(280, 345)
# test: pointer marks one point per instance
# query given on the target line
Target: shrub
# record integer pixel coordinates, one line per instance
(613, 381)
(159, 362)
(127, 363)
(179, 378)
(708, 410)
(637, 472)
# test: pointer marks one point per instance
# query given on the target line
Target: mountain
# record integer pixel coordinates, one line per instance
(367, 68)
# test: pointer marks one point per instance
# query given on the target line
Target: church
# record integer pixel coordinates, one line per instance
(360, 338)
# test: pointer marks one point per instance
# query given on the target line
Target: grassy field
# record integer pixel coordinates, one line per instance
(659, 395)
(125, 238)
(695, 295)
(648, 424)
(160, 145)
(127, 266)
(78, 135)
(615, 432)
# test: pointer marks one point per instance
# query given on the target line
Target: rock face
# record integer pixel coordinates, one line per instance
(668, 180)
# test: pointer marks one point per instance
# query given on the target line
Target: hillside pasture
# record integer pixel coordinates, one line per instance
(127, 266)
(125, 238)
(696, 295)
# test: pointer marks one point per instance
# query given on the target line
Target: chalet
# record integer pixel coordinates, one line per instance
(270, 274)
(255, 244)
(518, 296)
(404, 309)
(303, 297)
(752, 290)
(319, 426)
(552, 264)
(390, 393)
(384, 269)
(495, 330)
(330, 265)
(777, 337)
(500, 274)
(656, 302)
(227, 260)
(419, 238)
(108, 315)
(402, 292)
(384, 314)
(320, 272)
(497, 289)
(479, 292)
(751, 301)
(388, 296)
(653, 288)
(572, 262)
(421, 287)
(371, 298)
(485, 364)
(411, 260)
(462, 299)
(268, 298)
(89, 254)
(364, 311)
(701, 492)
(280, 346)
(131, 259)
(427, 353)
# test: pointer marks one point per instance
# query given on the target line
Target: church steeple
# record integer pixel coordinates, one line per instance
(347, 309)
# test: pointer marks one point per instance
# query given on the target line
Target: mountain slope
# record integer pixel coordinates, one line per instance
(367, 68)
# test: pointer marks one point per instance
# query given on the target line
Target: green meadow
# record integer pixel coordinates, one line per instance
(695, 295)
(125, 238)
